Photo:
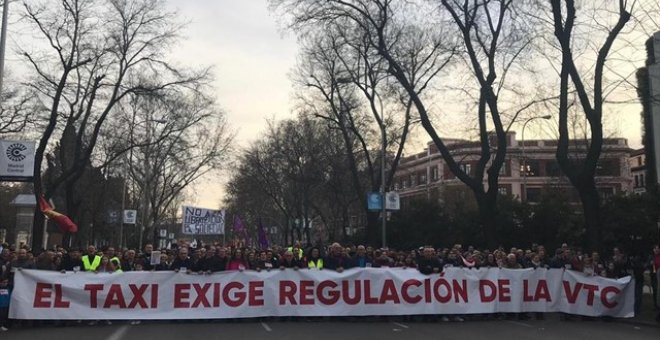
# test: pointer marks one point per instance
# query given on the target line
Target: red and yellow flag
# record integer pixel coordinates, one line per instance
(62, 221)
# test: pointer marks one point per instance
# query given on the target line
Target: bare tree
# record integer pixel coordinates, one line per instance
(581, 172)
(14, 111)
(185, 137)
(294, 173)
(351, 91)
(416, 50)
(97, 55)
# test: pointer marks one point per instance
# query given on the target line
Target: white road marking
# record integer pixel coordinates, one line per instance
(520, 324)
(119, 333)
(266, 327)
(400, 325)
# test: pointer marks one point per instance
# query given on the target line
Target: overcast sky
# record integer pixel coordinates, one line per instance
(251, 58)
(250, 55)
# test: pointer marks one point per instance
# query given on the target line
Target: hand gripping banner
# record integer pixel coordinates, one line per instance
(311, 292)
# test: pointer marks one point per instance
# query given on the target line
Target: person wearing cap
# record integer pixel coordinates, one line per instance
(117, 264)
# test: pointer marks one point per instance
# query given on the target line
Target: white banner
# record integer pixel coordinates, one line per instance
(16, 160)
(310, 292)
(201, 221)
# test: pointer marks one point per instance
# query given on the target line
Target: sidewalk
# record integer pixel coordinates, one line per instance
(648, 316)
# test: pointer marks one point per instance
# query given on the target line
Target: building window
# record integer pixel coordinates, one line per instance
(552, 169)
(467, 168)
(636, 181)
(532, 168)
(405, 183)
(421, 178)
(434, 173)
(533, 194)
(608, 167)
(503, 191)
(641, 180)
(606, 192)
(503, 169)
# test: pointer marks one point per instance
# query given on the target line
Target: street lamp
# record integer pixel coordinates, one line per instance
(382, 177)
(524, 186)
(3, 41)
(147, 180)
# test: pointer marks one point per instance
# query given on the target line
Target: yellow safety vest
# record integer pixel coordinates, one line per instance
(90, 267)
(318, 264)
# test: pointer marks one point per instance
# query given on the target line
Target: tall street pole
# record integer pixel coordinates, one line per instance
(3, 42)
(382, 179)
(121, 218)
(524, 185)
(147, 180)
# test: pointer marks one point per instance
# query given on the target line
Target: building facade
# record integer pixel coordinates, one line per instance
(638, 174)
(529, 168)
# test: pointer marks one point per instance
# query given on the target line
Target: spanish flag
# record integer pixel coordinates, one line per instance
(62, 221)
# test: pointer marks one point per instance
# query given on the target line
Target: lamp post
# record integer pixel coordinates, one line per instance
(524, 186)
(382, 178)
(147, 179)
(123, 206)
(3, 41)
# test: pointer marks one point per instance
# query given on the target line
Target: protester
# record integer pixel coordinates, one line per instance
(289, 260)
(297, 251)
(654, 266)
(237, 261)
(5, 297)
(145, 259)
(91, 260)
(361, 260)
(106, 266)
(336, 259)
(429, 263)
(72, 261)
(22, 260)
(314, 260)
(182, 262)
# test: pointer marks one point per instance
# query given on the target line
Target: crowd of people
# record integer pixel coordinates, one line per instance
(209, 258)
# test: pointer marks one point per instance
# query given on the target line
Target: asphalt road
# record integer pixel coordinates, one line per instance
(551, 328)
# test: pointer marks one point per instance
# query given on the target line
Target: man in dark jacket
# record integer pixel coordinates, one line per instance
(361, 260)
(145, 259)
(429, 263)
(289, 261)
(71, 261)
(336, 259)
(182, 261)
(22, 261)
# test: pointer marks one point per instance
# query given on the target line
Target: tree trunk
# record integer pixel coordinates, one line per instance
(345, 224)
(591, 208)
(372, 232)
(488, 215)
